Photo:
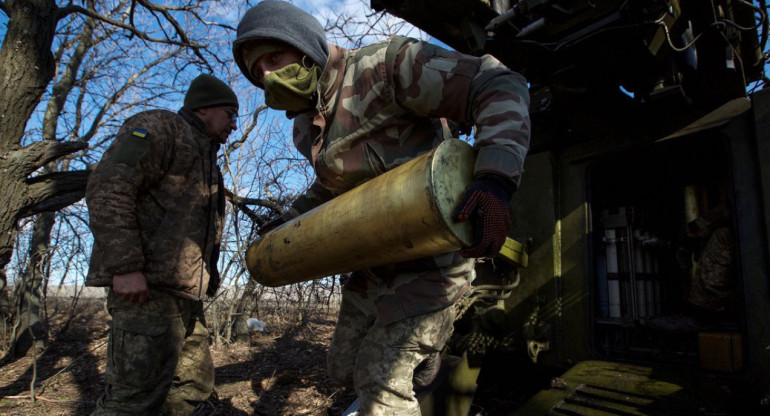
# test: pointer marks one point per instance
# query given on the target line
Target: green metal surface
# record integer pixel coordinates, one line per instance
(599, 388)
(454, 395)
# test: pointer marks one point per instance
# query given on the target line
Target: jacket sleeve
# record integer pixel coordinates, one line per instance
(313, 197)
(435, 82)
(304, 131)
(134, 161)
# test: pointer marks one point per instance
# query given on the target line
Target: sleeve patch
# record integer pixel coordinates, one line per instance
(140, 133)
(133, 147)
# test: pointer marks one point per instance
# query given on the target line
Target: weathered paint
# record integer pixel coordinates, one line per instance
(401, 215)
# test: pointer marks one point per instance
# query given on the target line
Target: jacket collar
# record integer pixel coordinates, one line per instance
(332, 76)
(192, 119)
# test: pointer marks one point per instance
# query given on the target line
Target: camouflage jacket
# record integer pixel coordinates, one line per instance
(382, 105)
(156, 202)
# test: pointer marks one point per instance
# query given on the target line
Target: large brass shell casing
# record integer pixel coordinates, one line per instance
(401, 215)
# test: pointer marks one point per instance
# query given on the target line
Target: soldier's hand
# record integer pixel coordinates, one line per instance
(486, 203)
(132, 287)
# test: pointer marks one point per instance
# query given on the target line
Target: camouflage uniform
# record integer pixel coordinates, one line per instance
(158, 361)
(713, 280)
(381, 106)
(377, 353)
(156, 204)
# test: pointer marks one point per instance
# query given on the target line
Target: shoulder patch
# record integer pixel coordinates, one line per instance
(133, 147)
(140, 133)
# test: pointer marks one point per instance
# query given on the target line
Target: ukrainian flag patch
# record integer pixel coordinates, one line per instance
(140, 133)
(131, 149)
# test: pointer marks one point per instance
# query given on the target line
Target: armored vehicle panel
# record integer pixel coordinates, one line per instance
(648, 176)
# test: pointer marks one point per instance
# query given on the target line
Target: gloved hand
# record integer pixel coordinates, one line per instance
(486, 203)
(270, 224)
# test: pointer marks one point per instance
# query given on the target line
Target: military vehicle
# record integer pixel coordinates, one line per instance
(648, 118)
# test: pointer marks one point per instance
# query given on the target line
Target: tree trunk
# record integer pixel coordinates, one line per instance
(26, 69)
(30, 329)
(242, 312)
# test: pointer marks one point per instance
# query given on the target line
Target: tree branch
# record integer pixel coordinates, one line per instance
(65, 84)
(245, 202)
(178, 28)
(242, 204)
(54, 191)
(38, 154)
(70, 9)
(247, 130)
(253, 216)
(130, 82)
(207, 23)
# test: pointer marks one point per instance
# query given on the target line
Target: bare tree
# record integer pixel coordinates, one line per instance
(91, 65)
(29, 326)
(29, 55)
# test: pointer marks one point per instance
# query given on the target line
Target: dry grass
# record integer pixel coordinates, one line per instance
(281, 371)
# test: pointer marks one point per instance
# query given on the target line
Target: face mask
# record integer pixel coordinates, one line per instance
(291, 88)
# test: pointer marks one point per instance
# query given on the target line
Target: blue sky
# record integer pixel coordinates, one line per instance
(321, 9)
(230, 12)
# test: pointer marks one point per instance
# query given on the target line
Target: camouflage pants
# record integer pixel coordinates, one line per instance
(713, 281)
(379, 360)
(158, 361)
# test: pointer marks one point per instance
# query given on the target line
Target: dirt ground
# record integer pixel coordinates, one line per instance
(277, 373)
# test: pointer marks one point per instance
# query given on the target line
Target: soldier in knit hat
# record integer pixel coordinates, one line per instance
(156, 205)
(359, 113)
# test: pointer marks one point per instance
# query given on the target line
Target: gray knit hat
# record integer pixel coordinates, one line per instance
(282, 21)
(208, 91)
